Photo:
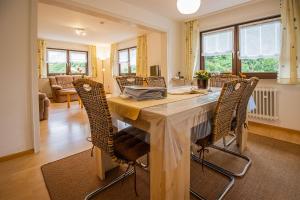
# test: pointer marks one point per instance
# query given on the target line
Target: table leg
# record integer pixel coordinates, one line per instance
(169, 184)
(68, 100)
(103, 163)
(242, 137)
(80, 102)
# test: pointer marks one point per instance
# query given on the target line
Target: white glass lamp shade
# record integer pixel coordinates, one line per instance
(188, 6)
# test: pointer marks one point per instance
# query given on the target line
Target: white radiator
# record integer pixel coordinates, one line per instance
(266, 104)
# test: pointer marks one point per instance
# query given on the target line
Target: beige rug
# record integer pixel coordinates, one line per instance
(274, 175)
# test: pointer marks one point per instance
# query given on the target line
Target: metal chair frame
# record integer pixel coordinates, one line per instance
(217, 169)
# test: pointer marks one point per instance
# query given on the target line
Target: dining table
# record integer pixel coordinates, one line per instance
(169, 122)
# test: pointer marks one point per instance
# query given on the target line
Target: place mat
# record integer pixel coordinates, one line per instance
(130, 108)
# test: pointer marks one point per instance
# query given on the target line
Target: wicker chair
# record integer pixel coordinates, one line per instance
(230, 96)
(241, 113)
(124, 146)
(219, 80)
(129, 80)
(156, 81)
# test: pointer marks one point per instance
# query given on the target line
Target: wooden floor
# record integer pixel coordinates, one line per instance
(62, 135)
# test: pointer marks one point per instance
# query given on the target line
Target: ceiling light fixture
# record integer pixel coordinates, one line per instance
(187, 7)
(80, 31)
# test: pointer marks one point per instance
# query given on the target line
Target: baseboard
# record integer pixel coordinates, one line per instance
(16, 155)
(279, 133)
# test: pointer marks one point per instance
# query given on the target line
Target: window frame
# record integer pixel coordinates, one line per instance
(236, 62)
(68, 64)
(129, 67)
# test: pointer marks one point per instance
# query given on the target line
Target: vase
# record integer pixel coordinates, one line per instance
(202, 84)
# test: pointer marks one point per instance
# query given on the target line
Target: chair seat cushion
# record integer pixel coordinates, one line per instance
(129, 145)
(204, 142)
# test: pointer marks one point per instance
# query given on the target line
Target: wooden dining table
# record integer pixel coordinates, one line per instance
(169, 124)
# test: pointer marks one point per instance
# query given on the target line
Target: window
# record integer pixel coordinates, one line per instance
(78, 62)
(57, 61)
(63, 61)
(217, 50)
(127, 61)
(260, 47)
(250, 48)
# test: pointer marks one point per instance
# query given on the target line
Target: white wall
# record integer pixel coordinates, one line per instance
(288, 104)
(16, 120)
(240, 14)
(155, 52)
(66, 45)
(289, 95)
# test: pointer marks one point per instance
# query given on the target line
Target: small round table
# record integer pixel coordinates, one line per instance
(68, 93)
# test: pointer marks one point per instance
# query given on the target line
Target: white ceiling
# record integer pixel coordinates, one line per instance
(57, 23)
(168, 7)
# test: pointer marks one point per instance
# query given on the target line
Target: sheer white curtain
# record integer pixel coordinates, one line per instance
(289, 70)
(218, 42)
(260, 40)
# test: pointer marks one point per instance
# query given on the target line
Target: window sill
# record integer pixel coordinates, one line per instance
(261, 75)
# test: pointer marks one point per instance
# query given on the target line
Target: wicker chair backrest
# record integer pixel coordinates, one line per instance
(219, 80)
(93, 98)
(241, 112)
(156, 81)
(128, 81)
(230, 96)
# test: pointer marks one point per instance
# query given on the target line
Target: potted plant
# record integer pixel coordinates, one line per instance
(202, 77)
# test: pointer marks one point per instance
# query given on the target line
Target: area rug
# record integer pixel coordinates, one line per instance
(274, 174)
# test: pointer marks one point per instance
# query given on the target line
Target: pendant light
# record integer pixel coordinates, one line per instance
(187, 7)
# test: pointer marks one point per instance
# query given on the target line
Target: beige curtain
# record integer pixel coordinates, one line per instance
(41, 50)
(141, 56)
(191, 48)
(114, 69)
(289, 70)
(113, 59)
(93, 56)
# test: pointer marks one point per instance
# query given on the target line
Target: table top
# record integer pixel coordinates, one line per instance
(69, 91)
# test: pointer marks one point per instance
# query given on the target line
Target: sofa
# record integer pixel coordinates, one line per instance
(60, 84)
(44, 103)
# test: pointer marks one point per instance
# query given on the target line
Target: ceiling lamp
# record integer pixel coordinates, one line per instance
(187, 7)
(80, 31)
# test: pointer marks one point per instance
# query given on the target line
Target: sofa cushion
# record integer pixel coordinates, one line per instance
(52, 80)
(76, 77)
(65, 81)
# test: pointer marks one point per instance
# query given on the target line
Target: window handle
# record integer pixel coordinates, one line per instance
(238, 55)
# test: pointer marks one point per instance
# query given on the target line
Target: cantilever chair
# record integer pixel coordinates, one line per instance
(156, 81)
(230, 96)
(241, 112)
(220, 79)
(125, 146)
(128, 81)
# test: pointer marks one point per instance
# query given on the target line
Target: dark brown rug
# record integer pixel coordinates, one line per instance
(274, 174)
